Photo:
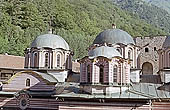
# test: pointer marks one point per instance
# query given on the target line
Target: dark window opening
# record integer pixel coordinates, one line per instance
(88, 73)
(35, 60)
(154, 48)
(27, 82)
(46, 60)
(129, 54)
(146, 49)
(101, 74)
(58, 60)
(67, 61)
(115, 73)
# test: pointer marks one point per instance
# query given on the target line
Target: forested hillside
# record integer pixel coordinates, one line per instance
(78, 21)
(164, 4)
(151, 14)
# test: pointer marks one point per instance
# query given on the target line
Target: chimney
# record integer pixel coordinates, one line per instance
(113, 26)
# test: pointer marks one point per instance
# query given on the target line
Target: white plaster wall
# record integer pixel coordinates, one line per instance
(135, 76)
(110, 90)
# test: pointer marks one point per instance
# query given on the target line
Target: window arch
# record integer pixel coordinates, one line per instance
(115, 73)
(130, 54)
(101, 73)
(46, 60)
(28, 82)
(88, 74)
(58, 60)
(147, 68)
(35, 60)
(119, 50)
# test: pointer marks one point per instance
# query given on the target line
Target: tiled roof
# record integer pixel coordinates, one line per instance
(11, 61)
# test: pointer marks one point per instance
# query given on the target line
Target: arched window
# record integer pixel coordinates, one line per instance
(58, 60)
(101, 72)
(46, 60)
(35, 60)
(88, 73)
(115, 73)
(146, 49)
(67, 61)
(28, 82)
(147, 68)
(119, 50)
(129, 54)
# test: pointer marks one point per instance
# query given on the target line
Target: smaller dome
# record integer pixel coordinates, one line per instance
(114, 36)
(108, 52)
(50, 41)
(166, 44)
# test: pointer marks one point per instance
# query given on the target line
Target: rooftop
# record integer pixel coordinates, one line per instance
(12, 62)
(135, 91)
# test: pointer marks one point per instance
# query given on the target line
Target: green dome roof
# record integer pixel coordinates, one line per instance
(108, 52)
(114, 36)
(50, 41)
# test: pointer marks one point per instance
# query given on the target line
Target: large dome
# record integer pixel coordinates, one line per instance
(114, 36)
(166, 44)
(50, 41)
(108, 52)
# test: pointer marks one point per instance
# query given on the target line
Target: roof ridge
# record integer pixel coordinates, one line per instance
(12, 55)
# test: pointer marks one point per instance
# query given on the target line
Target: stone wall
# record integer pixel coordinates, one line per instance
(149, 50)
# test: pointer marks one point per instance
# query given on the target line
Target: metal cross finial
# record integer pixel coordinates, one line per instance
(50, 31)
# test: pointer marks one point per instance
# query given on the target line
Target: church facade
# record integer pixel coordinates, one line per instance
(115, 74)
(110, 58)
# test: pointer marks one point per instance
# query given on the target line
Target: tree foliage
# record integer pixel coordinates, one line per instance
(164, 4)
(77, 21)
(151, 14)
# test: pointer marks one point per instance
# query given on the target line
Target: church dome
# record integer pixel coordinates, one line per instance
(50, 41)
(108, 52)
(166, 44)
(114, 36)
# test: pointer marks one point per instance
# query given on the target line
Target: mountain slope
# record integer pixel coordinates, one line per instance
(164, 4)
(78, 21)
(150, 13)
